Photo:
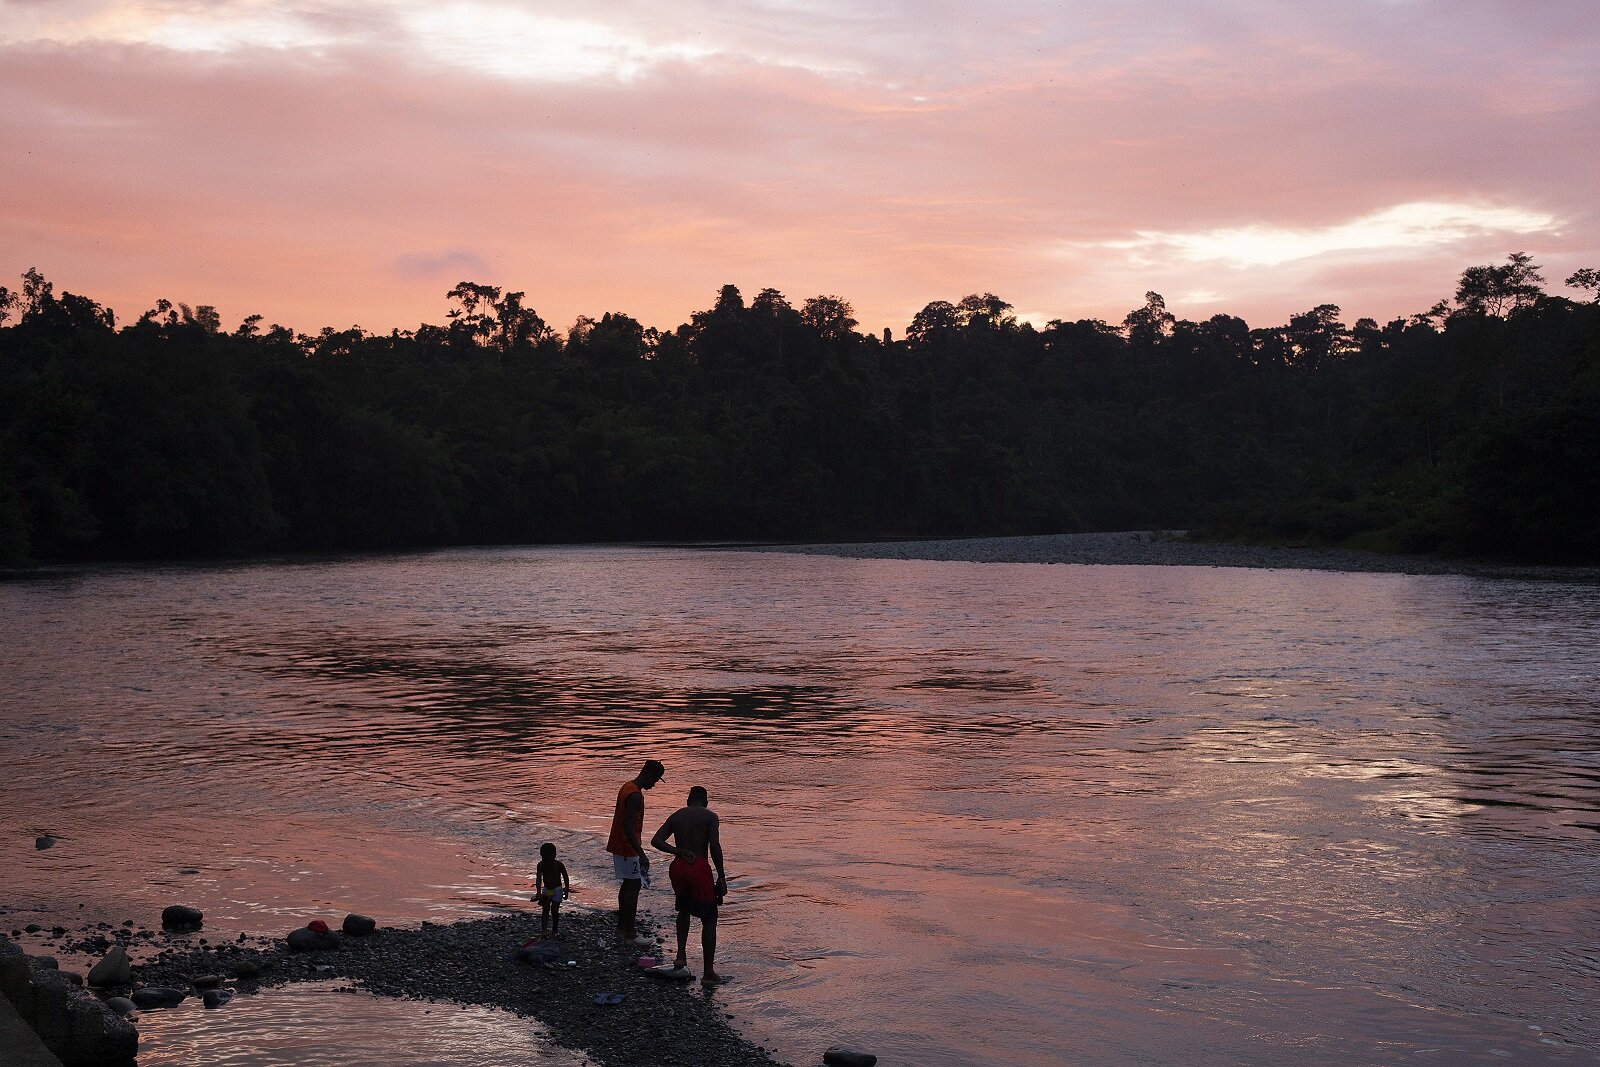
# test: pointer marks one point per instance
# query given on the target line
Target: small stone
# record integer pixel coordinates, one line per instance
(206, 981)
(33, 928)
(58, 931)
(121, 1005)
(246, 969)
(181, 917)
(838, 1056)
(44, 841)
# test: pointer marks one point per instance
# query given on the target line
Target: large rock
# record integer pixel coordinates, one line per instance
(13, 971)
(74, 1025)
(216, 998)
(306, 939)
(359, 925)
(121, 1005)
(181, 917)
(159, 996)
(839, 1056)
(113, 970)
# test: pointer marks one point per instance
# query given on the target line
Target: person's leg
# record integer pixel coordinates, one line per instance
(555, 919)
(683, 941)
(544, 918)
(708, 943)
(627, 907)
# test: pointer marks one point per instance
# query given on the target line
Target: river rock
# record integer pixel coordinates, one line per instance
(113, 970)
(216, 998)
(839, 1056)
(181, 917)
(121, 1005)
(247, 969)
(206, 981)
(44, 841)
(158, 996)
(359, 925)
(306, 939)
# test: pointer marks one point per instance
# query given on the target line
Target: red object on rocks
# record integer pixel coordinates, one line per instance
(317, 926)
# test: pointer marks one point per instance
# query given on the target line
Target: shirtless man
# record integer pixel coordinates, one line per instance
(695, 830)
(627, 854)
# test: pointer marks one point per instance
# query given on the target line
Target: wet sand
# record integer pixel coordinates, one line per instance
(1170, 549)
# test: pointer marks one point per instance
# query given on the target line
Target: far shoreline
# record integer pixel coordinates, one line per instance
(1140, 548)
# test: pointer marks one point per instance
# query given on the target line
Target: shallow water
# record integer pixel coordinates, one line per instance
(977, 813)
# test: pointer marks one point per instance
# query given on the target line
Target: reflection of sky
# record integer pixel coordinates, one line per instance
(302, 161)
(1134, 806)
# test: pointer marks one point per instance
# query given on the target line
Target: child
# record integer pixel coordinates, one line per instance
(551, 887)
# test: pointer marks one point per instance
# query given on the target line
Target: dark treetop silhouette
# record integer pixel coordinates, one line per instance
(1469, 428)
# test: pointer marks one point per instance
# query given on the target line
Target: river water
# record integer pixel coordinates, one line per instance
(975, 813)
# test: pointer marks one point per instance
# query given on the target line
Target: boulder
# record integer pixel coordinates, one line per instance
(13, 971)
(839, 1056)
(206, 981)
(181, 917)
(306, 939)
(216, 998)
(75, 1026)
(121, 1005)
(158, 996)
(113, 970)
(359, 925)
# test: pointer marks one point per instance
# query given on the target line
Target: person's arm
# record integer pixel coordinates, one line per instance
(668, 829)
(538, 879)
(714, 847)
(633, 809)
(566, 882)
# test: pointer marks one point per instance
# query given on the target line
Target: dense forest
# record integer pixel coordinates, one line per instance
(1470, 428)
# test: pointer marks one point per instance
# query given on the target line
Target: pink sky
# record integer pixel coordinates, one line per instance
(329, 162)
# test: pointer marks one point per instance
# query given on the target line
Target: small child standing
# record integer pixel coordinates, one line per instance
(551, 886)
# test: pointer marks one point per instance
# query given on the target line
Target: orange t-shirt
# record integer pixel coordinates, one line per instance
(618, 844)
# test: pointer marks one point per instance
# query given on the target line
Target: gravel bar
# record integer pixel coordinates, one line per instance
(656, 1024)
(1171, 549)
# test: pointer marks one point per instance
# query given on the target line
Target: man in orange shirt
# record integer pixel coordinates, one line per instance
(632, 866)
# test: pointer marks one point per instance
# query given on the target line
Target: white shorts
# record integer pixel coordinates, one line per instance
(627, 868)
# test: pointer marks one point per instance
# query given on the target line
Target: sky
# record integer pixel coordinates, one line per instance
(338, 163)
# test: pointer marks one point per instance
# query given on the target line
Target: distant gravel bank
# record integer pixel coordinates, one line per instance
(1169, 550)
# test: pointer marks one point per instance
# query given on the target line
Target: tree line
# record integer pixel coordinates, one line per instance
(1469, 428)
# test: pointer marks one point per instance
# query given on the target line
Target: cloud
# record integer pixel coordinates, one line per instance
(323, 160)
(1414, 228)
(454, 263)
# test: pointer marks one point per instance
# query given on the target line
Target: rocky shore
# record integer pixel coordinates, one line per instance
(653, 1023)
(1171, 549)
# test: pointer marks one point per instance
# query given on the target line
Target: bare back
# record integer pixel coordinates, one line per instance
(693, 828)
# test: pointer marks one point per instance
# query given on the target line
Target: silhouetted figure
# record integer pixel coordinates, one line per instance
(695, 828)
(551, 886)
(632, 866)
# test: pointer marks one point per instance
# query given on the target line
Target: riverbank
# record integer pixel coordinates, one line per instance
(1168, 549)
(652, 1023)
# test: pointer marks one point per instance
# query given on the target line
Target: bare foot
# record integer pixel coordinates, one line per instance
(711, 978)
(681, 963)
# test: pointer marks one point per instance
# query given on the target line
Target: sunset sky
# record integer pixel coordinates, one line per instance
(332, 162)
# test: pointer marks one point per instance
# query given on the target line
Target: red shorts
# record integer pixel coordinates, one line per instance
(695, 886)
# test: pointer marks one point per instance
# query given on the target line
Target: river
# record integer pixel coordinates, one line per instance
(975, 813)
